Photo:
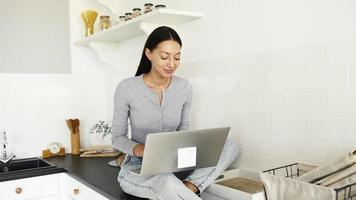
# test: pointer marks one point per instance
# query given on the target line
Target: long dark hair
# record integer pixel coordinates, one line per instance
(158, 35)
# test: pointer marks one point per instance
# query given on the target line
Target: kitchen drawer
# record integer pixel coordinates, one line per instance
(53, 197)
(30, 188)
(78, 191)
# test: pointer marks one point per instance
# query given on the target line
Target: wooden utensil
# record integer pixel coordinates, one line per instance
(73, 125)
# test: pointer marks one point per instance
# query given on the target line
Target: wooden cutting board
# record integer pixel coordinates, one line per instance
(110, 154)
(243, 184)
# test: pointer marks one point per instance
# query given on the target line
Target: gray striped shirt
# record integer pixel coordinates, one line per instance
(135, 101)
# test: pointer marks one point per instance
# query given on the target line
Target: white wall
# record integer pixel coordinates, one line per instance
(33, 107)
(34, 36)
(280, 72)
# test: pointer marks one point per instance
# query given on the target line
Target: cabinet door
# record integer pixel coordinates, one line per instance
(78, 191)
(30, 188)
(54, 197)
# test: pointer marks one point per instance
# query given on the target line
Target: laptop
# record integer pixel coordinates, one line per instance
(182, 150)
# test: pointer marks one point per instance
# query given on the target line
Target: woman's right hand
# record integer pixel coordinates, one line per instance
(138, 150)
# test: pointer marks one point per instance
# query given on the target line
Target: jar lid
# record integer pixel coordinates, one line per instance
(128, 13)
(160, 6)
(121, 17)
(148, 4)
(104, 17)
(136, 9)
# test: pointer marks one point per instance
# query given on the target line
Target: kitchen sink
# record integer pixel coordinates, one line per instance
(28, 167)
(28, 164)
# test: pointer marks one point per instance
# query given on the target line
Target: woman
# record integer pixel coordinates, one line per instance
(157, 101)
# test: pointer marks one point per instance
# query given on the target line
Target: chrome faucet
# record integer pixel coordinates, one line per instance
(6, 158)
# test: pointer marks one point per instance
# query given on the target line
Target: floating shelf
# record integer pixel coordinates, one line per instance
(143, 24)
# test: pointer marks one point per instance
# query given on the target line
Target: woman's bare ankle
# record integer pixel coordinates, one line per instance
(191, 186)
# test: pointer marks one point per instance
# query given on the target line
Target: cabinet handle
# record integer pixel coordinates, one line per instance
(76, 191)
(18, 190)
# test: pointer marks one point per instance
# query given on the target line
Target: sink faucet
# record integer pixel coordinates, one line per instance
(5, 158)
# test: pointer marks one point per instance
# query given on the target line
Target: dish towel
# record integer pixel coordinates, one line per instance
(328, 169)
(339, 176)
(280, 188)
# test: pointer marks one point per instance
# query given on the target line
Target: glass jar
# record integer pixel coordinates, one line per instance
(148, 7)
(128, 16)
(122, 19)
(105, 22)
(160, 6)
(136, 12)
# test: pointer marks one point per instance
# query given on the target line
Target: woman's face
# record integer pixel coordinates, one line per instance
(165, 58)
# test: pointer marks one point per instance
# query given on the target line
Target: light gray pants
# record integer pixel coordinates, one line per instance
(167, 186)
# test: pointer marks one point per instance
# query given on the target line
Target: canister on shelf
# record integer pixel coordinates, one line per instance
(148, 7)
(160, 6)
(121, 19)
(136, 12)
(128, 16)
(105, 22)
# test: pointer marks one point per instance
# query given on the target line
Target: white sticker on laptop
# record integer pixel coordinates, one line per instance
(187, 157)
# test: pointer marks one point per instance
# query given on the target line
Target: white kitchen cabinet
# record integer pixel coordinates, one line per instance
(76, 190)
(30, 188)
(53, 197)
(59, 186)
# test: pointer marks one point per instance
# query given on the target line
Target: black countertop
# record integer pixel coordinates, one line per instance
(95, 173)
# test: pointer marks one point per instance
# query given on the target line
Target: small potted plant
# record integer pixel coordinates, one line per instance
(99, 133)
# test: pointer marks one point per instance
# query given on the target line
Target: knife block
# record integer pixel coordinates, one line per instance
(73, 125)
(75, 141)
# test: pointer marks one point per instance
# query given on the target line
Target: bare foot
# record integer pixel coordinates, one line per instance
(120, 159)
(191, 186)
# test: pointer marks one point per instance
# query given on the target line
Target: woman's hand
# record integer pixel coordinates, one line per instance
(138, 150)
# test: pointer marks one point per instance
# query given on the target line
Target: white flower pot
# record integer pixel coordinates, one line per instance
(98, 139)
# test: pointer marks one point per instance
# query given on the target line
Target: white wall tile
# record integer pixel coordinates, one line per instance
(244, 102)
(214, 84)
(342, 104)
(308, 151)
(211, 101)
(288, 79)
(328, 78)
(325, 128)
(259, 123)
(307, 102)
(245, 140)
(268, 60)
(339, 53)
(272, 145)
(309, 56)
(271, 102)
(352, 76)
(261, 161)
(289, 125)
(299, 149)
(254, 81)
(351, 132)
(212, 119)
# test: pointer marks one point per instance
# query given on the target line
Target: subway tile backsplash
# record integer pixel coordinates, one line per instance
(296, 103)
